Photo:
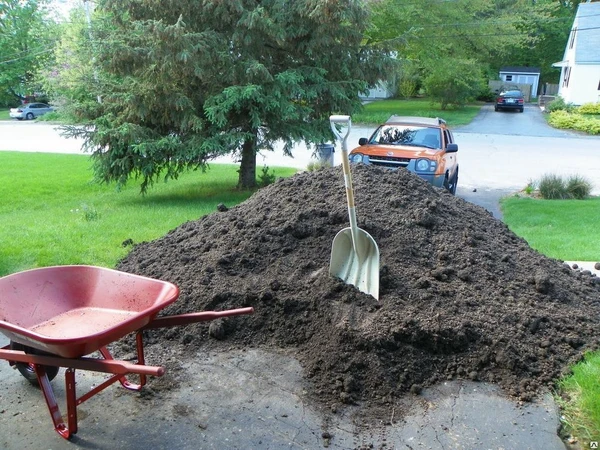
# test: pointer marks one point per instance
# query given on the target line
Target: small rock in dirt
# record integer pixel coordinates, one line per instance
(416, 389)
(345, 398)
(222, 208)
(216, 329)
(542, 283)
(597, 266)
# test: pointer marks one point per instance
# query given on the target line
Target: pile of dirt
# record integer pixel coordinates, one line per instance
(462, 297)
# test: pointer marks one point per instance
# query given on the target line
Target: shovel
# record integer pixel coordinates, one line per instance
(354, 253)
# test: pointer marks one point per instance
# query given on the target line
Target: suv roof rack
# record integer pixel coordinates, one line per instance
(416, 120)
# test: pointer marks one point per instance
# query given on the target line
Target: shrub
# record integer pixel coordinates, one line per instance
(589, 108)
(555, 187)
(486, 95)
(530, 188)
(266, 178)
(578, 187)
(407, 87)
(552, 187)
(558, 104)
(564, 119)
(453, 81)
(313, 166)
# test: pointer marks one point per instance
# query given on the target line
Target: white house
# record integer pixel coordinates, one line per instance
(521, 75)
(580, 68)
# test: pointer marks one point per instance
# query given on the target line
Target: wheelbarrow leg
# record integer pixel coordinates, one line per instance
(140, 360)
(66, 431)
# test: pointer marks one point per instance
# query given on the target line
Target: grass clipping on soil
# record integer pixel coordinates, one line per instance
(462, 297)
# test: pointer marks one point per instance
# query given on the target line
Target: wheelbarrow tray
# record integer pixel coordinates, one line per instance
(71, 311)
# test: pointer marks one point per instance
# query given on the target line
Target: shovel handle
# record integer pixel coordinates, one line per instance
(342, 120)
(347, 122)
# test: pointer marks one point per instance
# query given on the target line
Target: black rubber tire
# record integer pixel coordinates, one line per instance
(29, 116)
(521, 110)
(26, 369)
(496, 109)
(450, 185)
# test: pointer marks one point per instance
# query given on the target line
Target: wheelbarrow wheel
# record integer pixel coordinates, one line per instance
(27, 369)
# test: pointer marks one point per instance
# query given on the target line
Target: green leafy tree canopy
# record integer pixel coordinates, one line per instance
(26, 44)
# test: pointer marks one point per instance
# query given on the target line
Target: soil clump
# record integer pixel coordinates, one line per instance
(461, 296)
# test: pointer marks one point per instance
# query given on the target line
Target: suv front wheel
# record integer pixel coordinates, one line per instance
(450, 183)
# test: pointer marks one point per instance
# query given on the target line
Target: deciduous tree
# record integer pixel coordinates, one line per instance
(26, 44)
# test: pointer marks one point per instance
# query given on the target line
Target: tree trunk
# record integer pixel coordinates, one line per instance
(247, 178)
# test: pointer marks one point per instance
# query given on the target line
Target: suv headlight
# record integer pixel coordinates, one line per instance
(425, 165)
(356, 158)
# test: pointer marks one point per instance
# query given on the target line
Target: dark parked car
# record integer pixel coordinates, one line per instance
(510, 100)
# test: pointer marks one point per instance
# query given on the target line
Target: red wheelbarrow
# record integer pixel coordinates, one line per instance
(54, 316)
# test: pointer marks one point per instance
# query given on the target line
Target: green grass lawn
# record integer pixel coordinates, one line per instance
(4, 114)
(561, 229)
(379, 111)
(52, 213)
(580, 400)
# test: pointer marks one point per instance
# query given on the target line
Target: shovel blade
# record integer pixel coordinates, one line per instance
(356, 264)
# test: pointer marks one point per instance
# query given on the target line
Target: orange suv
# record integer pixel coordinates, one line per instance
(422, 145)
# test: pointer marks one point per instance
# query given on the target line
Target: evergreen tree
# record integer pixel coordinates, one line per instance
(184, 81)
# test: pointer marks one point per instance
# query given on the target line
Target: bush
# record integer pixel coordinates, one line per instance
(486, 95)
(552, 187)
(589, 108)
(407, 87)
(453, 81)
(558, 104)
(578, 187)
(555, 187)
(579, 122)
(266, 178)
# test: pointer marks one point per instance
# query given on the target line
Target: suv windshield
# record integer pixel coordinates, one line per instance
(407, 135)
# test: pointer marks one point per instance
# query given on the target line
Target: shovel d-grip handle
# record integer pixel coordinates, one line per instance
(346, 123)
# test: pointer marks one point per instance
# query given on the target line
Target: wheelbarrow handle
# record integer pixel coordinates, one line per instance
(93, 364)
(204, 316)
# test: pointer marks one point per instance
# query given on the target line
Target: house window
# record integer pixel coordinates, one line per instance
(508, 78)
(573, 33)
(566, 77)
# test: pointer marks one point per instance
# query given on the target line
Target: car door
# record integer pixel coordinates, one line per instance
(35, 109)
(450, 159)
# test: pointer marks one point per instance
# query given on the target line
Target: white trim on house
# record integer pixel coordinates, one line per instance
(579, 81)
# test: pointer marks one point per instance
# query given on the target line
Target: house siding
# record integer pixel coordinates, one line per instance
(582, 85)
(580, 68)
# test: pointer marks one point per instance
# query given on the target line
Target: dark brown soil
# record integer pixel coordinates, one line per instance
(462, 297)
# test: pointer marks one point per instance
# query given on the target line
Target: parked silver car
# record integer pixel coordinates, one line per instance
(30, 111)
